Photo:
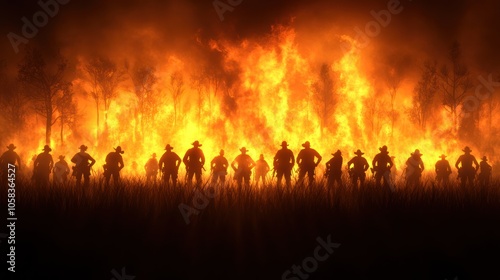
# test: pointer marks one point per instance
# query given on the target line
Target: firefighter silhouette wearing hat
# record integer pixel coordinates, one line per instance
(9, 157)
(60, 171)
(42, 167)
(151, 168)
(334, 170)
(306, 162)
(485, 172)
(194, 159)
(414, 168)
(169, 166)
(358, 170)
(283, 163)
(219, 166)
(244, 169)
(114, 164)
(466, 172)
(83, 163)
(382, 165)
(443, 171)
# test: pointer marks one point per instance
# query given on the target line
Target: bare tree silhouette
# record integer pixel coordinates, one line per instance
(324, 95)
(424, 94)
(455, 83)
(199, 82)
(177, 89)
(105, 77)
(67, 110)
(145, 79)
(13, 102)
(395, 67)
(44, 82)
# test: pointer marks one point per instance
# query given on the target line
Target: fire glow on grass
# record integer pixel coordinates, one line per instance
(270, 99)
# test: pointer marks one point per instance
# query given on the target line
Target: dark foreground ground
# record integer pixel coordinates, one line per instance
(422, 233)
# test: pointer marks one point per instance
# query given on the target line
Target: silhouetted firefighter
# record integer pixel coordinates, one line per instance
(382, 165)
(244, 169)
(194, 159)
(219, 166)
(9, 157)
(283, 163)
(443, 171)
(306, 163)
(414, 168)
(83, 163)
(151, 168)
(358, 170)
(114, 164)
(169, 166)
(261, 169)
(42, 167)
(334, 170)
(466, 172)
(485, 172)
(60, 171)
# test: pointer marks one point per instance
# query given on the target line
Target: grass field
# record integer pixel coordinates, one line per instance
(426, 232)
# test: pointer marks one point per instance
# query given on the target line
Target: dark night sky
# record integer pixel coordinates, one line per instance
(89, 27)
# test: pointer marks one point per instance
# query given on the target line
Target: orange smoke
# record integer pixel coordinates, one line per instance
(272, 96)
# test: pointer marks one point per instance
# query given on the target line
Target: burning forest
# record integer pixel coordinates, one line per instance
(335, 88)
(250, 78)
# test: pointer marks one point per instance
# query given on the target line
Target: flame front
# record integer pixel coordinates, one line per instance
(270, 97)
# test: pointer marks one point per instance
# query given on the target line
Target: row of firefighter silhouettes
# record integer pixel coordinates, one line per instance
(243, 165)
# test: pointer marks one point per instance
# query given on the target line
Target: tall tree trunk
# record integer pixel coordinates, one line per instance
(106, 107)
(48, 124)
(62, 130)
(48, 128)
(455, 122)
(97, 124)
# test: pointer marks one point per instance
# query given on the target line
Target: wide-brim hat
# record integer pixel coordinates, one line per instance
(417, 153)
(284, 144)
(196, 143)
(306, 144)
(119, 150)
(83, 147)
(61, 157)
(484, 158)
(46, 148)
(243, 149)
(383, 148)
(338, 152)
(443, 156)
(11, 147)
(359, 152)
(153, 155)
(168, 147)
(467, 149)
